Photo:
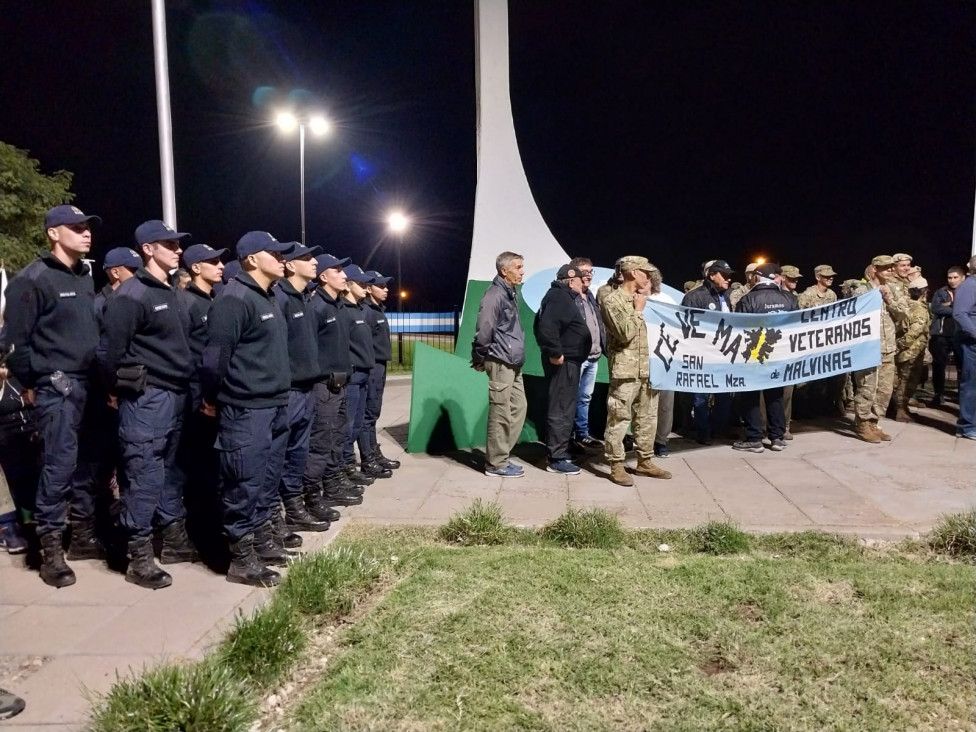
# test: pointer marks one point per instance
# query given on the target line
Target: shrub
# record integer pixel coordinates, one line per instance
(197, 697)
(327, 584)
(481, 523)
(263, 647)
(593, 528)
(719, 537)
(955, 535)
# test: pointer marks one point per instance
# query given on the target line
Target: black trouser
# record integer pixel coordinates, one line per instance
(940, 347)
(328, 435)
(563, 382)
(775, 415)
(374, 403)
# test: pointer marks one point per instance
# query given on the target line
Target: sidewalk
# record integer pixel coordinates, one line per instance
(54, 642)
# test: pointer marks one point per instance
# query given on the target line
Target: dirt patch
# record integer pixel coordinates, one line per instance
(750, 613)
(835, 593)
(717, 664)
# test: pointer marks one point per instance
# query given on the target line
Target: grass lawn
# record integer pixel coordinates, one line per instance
(443, 341)
(536, 637)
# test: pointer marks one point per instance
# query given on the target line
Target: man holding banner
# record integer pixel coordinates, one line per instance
(765, 298)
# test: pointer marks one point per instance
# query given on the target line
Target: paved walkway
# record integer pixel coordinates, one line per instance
(54, 642)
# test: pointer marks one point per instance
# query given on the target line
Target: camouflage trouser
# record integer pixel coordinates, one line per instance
(872, 390)
(848, 390)
(630, 400)
(909, 373)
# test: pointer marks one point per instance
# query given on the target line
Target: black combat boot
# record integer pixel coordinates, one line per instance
(373, 469)
(357, 476)
(84, 544)
(142, 569)
(298, 518)
(54, 571)
(346, 484)
(383, 460)
(177, 546)
(267, 551)
(316, 506)
(281, 533)
(335, 494)
(245, 567)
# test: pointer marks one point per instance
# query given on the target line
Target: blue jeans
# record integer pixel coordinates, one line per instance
(355, 412)
(58, 423)
(251, 443)
(581, 425)
(149, 434)
(967, 388)
(301, 405)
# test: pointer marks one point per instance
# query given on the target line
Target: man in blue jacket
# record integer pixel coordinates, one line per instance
(942, 331)
(964, 313)
(145, 359)
(565, 341)
(245, 372)
(50, 322)
(374, 308)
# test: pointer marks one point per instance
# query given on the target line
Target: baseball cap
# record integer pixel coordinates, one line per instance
(824, 270)
(883, 260)
(850, 283)
(788, 270)
(567, 272)
(156, 230)
(328, 261)
(378, 279)
(299, 250)
(718, 265)
(769, 270)
(122, 257)
(260, 241)
(918, 283)
(751, 267)
(201, 253)
(231, 270)
(63, 215)
(901, 257)
(355, 273)
(628, 264)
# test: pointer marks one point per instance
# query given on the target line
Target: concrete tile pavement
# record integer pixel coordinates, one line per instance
(54, 643)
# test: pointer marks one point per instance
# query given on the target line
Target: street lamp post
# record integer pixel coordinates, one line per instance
(398, 224)
(319, 125)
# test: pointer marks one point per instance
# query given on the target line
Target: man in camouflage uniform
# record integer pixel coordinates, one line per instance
(900, 306)
(873, 387)
(631, 398)
(735, 296)
(910, 348)
(819, 294)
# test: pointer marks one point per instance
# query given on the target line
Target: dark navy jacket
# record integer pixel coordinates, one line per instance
(706, 297)
(360, 336)
(145, 324)
(303, 351)
(196, 304)
(245, 362)
(333, 333)
(50, 321)
(380, 328)
(560, 326)
(766, 298)
(100, 299)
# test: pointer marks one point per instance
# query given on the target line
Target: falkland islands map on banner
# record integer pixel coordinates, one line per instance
(710, 351)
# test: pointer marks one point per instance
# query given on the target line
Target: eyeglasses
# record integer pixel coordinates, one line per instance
(586, 274)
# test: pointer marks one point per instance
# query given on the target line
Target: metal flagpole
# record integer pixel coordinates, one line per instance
(165, 121)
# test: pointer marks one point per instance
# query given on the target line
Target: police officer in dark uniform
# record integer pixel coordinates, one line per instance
(765, 297)
(375, 311)
(197, 457)
(306, 371)
(145, 356)
(363, 360)
(119, 265)
(324, 481)
(50, 322)
(245, 371)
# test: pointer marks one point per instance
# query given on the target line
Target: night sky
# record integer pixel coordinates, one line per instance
(805, 132)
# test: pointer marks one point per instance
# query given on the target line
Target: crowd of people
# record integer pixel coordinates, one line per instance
(574, 327)
(236, 400)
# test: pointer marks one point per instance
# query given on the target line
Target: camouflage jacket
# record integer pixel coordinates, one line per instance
(737, 295)
(813, 298)
(915, 338)
(627, 344)
(900, 303)
(889, 334)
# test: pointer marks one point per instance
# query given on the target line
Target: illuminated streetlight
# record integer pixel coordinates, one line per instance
(761, 260)
(319, 125)
(398, 223)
